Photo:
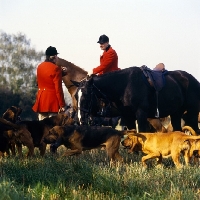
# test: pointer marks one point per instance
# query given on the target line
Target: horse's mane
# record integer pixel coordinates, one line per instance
(120, 71)
(69, 65)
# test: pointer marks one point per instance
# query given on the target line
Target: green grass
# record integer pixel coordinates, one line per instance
(91, 176)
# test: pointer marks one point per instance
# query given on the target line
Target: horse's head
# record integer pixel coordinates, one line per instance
(88, 103)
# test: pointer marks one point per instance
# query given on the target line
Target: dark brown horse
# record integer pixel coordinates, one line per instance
(76, 73)
(137, 100)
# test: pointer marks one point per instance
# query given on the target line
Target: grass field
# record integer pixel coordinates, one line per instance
(90, 176)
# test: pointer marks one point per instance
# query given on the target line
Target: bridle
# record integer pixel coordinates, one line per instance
(88, 110)
(96, 93)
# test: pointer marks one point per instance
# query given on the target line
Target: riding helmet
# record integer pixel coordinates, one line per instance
(51, 51)
(103, 39)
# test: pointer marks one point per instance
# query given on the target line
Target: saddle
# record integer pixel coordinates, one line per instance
(156, 79)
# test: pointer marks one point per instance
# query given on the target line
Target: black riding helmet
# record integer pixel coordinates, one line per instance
(103, 39)
(51, 51)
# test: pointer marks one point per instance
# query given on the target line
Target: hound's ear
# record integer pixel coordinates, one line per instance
(9, 114)
(76, 83)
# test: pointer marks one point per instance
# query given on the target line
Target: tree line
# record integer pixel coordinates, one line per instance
(18, 63)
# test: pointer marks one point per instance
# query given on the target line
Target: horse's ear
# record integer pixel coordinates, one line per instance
(76, 83)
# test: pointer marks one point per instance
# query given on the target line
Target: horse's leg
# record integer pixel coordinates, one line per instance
(191, 119)
(123, 124)
(128, 118)
(142, 121)
(176, 122)
(72, 91)
(74, 97)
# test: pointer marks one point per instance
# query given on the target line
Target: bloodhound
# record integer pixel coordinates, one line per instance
(159, 145)
(80, 138)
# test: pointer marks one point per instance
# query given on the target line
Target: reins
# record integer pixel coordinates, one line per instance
(69, 86)
(104, 97)
(100, 92)
(97, 94)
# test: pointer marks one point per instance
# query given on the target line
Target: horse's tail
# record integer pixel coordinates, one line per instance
(188, 128)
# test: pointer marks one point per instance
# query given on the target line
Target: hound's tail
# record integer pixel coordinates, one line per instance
(188, 129)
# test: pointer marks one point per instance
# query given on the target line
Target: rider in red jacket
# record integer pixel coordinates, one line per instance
(50, 97)
(109, 59)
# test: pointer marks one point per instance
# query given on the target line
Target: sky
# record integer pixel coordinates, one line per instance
(143, 32)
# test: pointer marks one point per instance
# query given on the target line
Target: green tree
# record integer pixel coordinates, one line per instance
(18, 62)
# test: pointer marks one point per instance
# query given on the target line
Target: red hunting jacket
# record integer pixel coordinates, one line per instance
(108, 62)
(50, 95)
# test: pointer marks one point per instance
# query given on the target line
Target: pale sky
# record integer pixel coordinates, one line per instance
(143, 32)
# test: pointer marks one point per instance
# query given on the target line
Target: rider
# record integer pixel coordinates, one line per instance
(50, 97)
(109, 59)
(108, 63)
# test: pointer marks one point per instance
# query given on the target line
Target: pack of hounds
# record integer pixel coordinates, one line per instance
(61, 130)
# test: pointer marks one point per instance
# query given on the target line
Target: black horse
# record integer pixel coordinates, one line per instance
(136, 99)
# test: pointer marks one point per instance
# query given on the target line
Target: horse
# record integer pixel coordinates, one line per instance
(136, 99)
(73, 72)
(76, 73)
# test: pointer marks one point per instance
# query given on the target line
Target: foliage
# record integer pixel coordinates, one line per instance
(91, 176)
(18, 62)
